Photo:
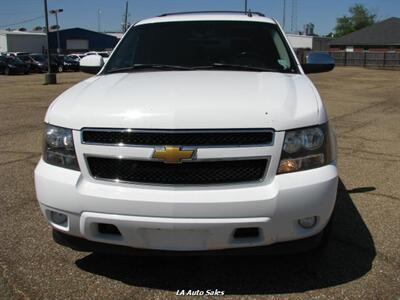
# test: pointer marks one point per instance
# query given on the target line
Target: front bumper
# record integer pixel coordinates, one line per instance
(290, 247)
(188, 218)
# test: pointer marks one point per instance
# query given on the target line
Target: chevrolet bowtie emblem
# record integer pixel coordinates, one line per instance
(173, 155)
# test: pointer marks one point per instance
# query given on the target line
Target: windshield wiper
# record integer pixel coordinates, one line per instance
(235, 67)
(138, 67)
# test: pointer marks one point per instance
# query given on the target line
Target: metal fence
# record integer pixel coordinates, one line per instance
(389, 60)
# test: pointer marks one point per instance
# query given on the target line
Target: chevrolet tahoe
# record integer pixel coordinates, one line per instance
(202, 132)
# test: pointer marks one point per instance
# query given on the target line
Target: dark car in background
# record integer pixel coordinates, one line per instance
(41, 63)
(28, 61)
(12, 65)
(69, 63)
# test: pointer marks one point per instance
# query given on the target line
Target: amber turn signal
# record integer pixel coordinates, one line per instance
(288, 165)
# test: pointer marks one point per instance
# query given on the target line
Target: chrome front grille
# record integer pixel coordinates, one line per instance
(193, 171)
(203, 138)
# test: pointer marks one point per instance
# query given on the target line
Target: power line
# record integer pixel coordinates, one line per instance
(22, 22)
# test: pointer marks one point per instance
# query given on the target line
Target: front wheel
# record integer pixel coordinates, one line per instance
(60, 69)
(7, 71)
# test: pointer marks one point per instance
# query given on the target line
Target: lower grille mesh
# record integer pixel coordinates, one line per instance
(196, 172)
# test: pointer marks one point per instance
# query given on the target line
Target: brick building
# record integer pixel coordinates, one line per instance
(380, 37)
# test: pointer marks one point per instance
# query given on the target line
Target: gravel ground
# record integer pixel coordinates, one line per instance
(360, 261)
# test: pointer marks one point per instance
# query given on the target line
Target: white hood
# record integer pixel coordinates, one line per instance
(189, 100)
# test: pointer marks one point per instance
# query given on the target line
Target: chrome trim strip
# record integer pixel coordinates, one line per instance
(180, 131)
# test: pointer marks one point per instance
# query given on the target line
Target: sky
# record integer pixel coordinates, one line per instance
(84, 13)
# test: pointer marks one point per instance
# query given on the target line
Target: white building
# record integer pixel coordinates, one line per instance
(118, 35)
(300, 41)
(314, 43)
(22, 41)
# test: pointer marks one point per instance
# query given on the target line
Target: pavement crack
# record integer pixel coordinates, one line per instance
(349, 137)
(18, 160)
(355, 150)
(22, 129)
(19, 152)
(385, 195)
(375, 104)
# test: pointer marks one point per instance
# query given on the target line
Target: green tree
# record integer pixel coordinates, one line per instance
(359, 18)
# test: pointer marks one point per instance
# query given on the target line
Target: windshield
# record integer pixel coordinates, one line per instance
(25, 58)
(196, 44)
(68, 59)
(39, 58)
(14, 60)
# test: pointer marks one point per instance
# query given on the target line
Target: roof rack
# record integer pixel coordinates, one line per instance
(248, 13)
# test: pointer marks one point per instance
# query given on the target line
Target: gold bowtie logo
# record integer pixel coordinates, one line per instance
(173, 155)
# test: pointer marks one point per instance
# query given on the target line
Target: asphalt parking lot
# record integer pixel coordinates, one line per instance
(362, 259)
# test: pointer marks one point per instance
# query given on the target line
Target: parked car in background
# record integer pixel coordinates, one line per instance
(76, 56)
(16, 53)
(38, 62)
(69, 63)
(59, 61)
(101, 53)
(105, 55)
(27, 60)
(12, 65)
(41, 62)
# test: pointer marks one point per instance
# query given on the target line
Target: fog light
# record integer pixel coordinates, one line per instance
(58, 218)
(308, 222)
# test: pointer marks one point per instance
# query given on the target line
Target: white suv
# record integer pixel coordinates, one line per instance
(202, 132)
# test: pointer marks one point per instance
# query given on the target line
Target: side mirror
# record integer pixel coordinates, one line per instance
(318, 62)
(91, 64)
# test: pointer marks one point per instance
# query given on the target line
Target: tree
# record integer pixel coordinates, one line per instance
(359, 18)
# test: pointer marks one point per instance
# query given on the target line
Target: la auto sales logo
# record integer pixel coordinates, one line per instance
(215, 292)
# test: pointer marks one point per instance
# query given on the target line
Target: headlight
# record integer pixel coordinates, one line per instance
(58, 147)
(307, 148)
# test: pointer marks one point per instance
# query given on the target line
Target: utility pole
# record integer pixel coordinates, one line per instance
(56, 12)
(49, 78)
(293, 26)
(284, 15)
(126, 17)
(245, 6)
(98, 20)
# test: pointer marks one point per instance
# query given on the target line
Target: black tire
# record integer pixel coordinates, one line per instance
(6, 71)
(60, 69)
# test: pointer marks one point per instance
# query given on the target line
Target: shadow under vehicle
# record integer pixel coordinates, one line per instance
(346, 256)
